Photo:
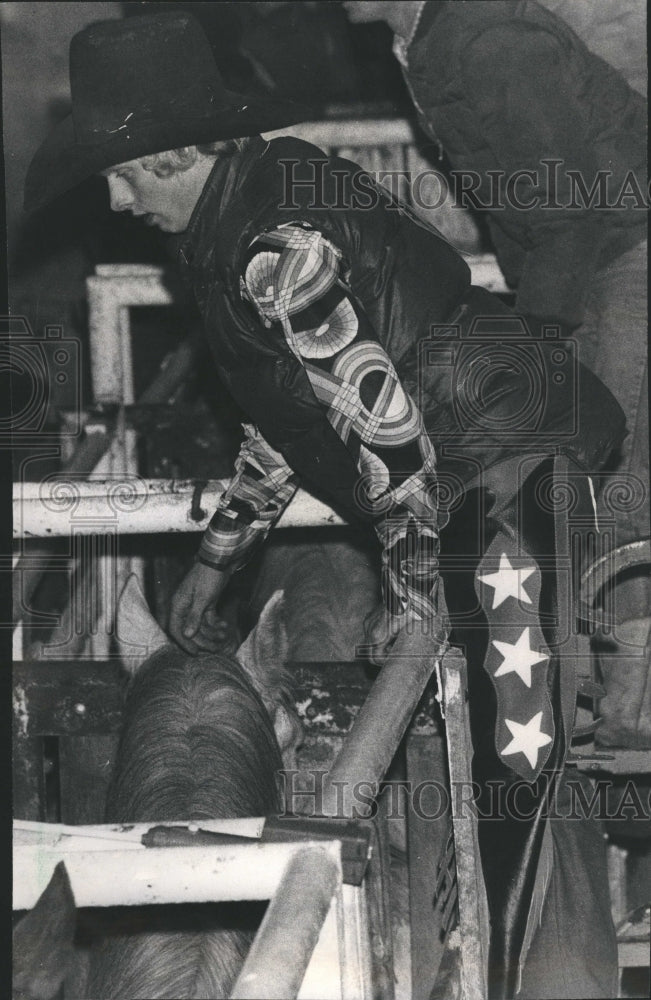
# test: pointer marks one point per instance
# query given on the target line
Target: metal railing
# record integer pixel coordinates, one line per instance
(76, 505)
(308, 941)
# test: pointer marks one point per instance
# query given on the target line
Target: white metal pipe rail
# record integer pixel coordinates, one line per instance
(127, 877)
(309, 942)
(129, 504)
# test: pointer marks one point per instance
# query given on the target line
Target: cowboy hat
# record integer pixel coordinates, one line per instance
(143, 85)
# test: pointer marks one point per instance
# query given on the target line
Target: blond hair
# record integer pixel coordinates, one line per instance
(173, 161)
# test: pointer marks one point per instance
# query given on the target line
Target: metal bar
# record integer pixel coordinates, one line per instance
(135, 506)
(351, 132)
(382, 721)
(110, 294)
(128, 270)
(616, 857)
(107, 569)
(95, 443)
(623, 762)
(109, 322)
(33, 562)
(18, 642)
(129, 836)
(428, 825)
(473, 908)
(326, 975)
(357, 974)
(166, 875)
(282, 949)
(381, 954)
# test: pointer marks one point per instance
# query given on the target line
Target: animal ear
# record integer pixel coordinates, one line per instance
(263, 655)
(137, 633)
(289, 733)
(43, 940)
(264, 651)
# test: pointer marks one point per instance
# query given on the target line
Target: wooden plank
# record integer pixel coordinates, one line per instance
(427, 837)
(28, 778)
(65, 698)
(633, 954)
(378, 883)
(473, 907)
(85, 768)
(84, 698)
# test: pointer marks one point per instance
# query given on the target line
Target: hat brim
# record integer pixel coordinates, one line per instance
(61, 163)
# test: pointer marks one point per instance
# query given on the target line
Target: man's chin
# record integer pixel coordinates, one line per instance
(165, 225)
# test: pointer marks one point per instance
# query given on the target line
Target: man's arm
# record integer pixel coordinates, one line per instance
(523, 89)
(295, 278)
(260, 490)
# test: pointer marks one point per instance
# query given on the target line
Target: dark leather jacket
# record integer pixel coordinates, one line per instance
(415, 288)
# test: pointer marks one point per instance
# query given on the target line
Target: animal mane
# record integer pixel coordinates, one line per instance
(197, 742)
(197, 964)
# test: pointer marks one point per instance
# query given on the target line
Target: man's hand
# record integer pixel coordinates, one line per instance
(194, 624)
(381, 630)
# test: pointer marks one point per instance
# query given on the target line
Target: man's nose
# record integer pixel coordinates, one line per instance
(119, 194)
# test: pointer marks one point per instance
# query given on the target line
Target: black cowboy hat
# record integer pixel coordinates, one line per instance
(139, 86)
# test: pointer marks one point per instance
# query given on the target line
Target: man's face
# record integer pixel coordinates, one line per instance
(363, 11)
(166, 202)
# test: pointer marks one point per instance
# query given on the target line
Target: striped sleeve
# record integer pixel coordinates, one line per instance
(295, 278)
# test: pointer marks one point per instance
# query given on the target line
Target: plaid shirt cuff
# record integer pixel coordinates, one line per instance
(262, 487)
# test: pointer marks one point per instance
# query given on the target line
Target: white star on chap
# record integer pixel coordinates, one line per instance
(508, 581)
(527, 739)
(519, 657)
